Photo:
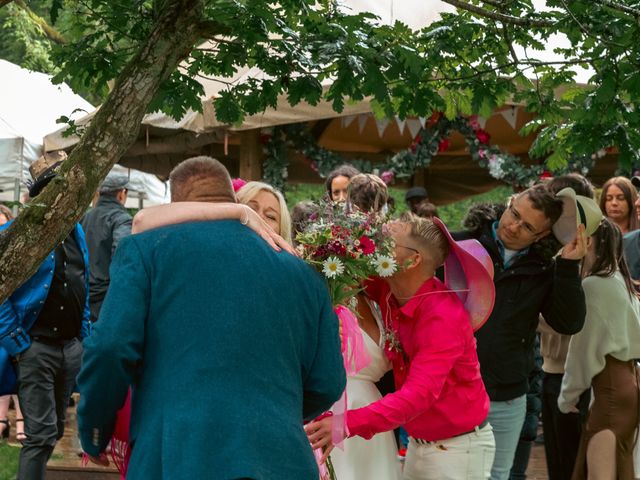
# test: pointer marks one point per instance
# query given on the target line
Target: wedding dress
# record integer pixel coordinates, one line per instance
(373, 459)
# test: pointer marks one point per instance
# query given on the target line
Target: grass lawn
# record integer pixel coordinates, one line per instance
(8, 461)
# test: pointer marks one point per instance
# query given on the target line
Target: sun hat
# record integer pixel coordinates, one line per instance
(468, 270)
(44, 169)
(576, 210)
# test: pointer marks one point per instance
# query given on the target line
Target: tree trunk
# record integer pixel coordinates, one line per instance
(48, 218)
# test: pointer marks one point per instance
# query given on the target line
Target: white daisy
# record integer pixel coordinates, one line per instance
(332, 267)
(385, 266)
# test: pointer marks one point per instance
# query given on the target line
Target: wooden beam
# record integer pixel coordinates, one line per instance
(250, 155)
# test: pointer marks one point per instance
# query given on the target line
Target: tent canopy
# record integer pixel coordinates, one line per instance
(30, 104)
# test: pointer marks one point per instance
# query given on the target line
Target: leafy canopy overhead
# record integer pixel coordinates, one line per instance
(470, 61)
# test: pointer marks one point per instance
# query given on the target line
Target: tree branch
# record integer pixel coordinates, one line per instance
(50, 32)
(619, 7)
(5, 2)
(53, 213)
(501, 17)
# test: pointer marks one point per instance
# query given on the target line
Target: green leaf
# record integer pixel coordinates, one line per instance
(557, 160)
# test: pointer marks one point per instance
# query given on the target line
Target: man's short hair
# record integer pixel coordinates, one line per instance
(342, 171)
(367, 192)
(428, 235)
(544, 200)
(579, 183)
(426, 209)
(201, 177)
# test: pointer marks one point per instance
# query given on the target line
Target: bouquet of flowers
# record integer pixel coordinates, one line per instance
(347, 246)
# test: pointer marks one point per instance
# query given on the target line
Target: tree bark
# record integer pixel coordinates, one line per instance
(48, 218)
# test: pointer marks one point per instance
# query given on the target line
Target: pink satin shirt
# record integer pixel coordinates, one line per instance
(439, 393)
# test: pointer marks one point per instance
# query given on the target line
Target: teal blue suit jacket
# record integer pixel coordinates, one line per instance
(228, 345)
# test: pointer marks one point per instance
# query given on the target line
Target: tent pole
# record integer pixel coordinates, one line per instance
(16, 196)
(250, 155)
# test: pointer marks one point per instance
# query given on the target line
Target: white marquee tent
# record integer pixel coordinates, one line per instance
(30, 104)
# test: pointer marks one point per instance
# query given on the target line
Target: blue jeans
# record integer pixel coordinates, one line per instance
(507, 419)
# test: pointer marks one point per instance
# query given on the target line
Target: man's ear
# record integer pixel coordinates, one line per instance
(413, 262)
(542, 235)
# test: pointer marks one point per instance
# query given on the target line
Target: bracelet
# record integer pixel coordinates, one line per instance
(244, 218)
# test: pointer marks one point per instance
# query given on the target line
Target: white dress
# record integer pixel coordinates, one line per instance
(373, 459)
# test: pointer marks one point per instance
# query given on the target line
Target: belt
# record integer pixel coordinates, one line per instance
(483, 424)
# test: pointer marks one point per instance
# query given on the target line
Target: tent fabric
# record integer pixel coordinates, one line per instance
(30, 104)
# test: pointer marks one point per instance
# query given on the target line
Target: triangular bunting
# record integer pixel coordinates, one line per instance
(348, 120)
(511, 116)
(362, 121)
(482, 122)
(413, 124)
(423, 121)
(382, 126)
(400, 124)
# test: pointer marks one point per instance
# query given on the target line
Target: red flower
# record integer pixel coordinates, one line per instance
(482, 135)
(443, 145)
(545, 175)
(413, 147)
(433, 119)
(265, 138)
(367, 246)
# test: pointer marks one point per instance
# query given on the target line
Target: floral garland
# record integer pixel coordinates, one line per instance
(430, 140)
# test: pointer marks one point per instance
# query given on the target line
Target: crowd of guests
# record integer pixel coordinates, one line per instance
(467, 386)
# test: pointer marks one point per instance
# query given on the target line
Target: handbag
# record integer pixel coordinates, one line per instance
(8, 375)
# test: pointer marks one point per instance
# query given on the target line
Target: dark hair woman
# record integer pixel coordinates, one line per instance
(601, 357)
(617, 203)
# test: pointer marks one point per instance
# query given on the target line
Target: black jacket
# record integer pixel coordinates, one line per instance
(535, 283)
(104, 225)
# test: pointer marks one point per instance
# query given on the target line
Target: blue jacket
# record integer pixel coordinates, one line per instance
(228, 346)
(19, 312)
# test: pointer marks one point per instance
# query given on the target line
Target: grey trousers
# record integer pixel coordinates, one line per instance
(46, 377)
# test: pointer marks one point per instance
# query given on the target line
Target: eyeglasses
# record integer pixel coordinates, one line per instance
(517, 219)
(408, 248)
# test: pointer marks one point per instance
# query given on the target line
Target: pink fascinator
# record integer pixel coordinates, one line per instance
(237, 184)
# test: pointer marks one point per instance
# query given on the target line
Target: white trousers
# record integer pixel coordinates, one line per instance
(466, 457)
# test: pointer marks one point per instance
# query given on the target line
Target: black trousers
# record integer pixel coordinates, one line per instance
(561, 430)
(46, 377)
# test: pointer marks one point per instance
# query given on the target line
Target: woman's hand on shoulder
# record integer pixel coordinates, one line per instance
(252, 220)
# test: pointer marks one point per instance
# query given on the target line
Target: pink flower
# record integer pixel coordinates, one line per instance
(367, 246)
(237, 184)
(387, 176)
(473, 122)
(482, 153)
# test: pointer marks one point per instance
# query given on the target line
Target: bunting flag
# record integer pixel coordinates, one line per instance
(482, 122)
(347, 120)
(510, 115)
(423, 121)
(362, 121)
(400, 124)
(413, 124)
(382, 126)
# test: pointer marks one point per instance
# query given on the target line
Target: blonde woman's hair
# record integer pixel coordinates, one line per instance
(251, 189)
(428, 235)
